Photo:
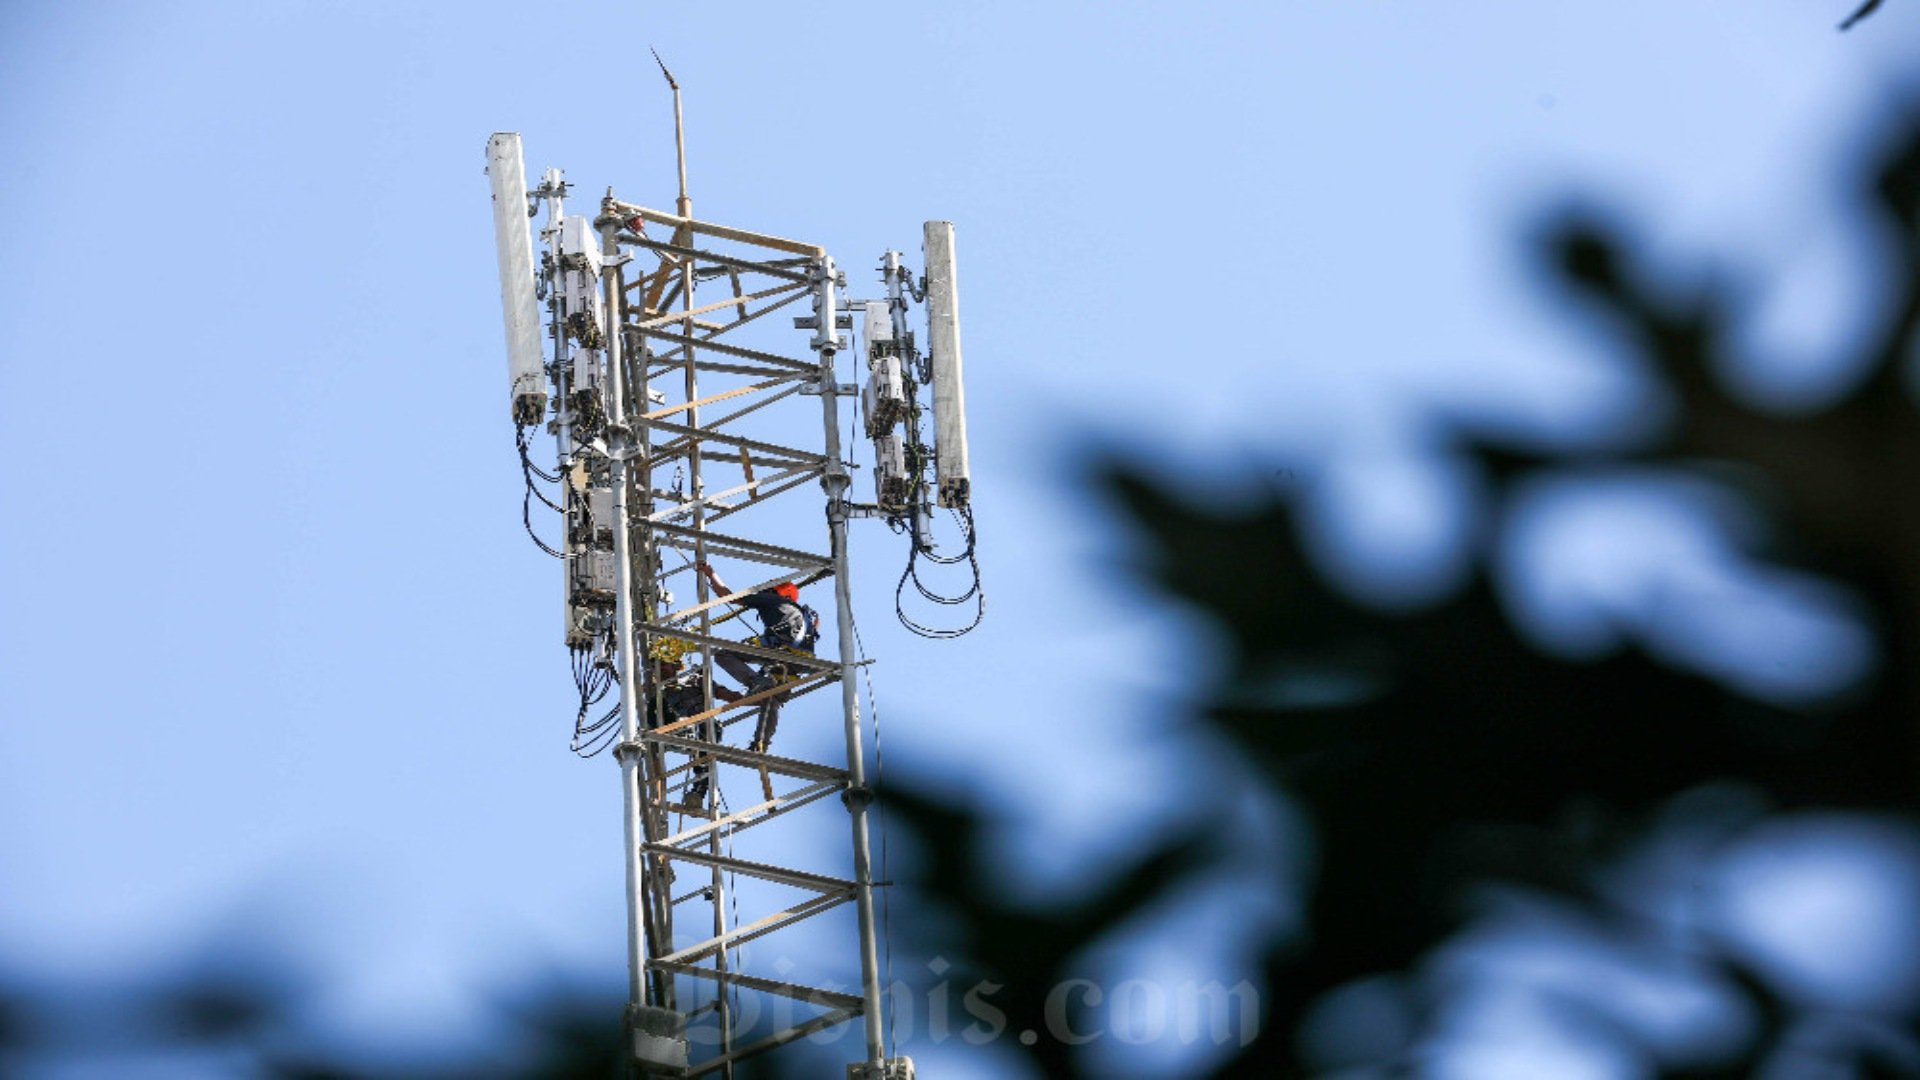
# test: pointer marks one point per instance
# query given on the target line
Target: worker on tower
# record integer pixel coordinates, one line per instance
(785, 623)
(673, 693)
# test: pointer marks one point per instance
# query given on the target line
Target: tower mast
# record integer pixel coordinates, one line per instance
(657, 397)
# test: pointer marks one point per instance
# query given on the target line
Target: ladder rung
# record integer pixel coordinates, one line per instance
(797, 688)
(725, 348)
(761, 927)
(758, 652)
(820, 883)
(740, 755)
(694, 895)
(741, 820)
(778, 1038)
(728, 540)
(810, 994)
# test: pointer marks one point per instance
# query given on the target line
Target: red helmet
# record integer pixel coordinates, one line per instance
(788, 591)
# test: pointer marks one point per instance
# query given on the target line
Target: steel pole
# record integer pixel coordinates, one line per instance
(620, 449)
(826, 342)
(723, 1012)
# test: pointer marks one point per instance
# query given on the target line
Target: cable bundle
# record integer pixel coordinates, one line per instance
(529, 472)
(921, 550)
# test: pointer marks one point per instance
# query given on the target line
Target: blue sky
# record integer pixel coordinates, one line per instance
(276, 649)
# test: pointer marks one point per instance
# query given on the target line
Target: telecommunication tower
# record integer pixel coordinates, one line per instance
(678, 420)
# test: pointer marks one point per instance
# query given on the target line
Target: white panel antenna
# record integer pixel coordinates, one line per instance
(943, 348)
(513, 242)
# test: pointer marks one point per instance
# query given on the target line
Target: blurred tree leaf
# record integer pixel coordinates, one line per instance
(1862, 12)
(1025, 953)
(1437, 750)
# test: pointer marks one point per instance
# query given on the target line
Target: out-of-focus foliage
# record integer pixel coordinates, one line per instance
(1458, 756)
(233, 1017)
(1859, 13)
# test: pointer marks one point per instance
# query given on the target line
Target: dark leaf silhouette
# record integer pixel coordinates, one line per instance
(1438, 750)
(1862, 12)
(1020, 953)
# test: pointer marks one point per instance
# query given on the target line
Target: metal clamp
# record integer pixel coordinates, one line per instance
(618, 445)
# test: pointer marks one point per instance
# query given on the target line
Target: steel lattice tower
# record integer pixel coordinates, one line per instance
(680, 422)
